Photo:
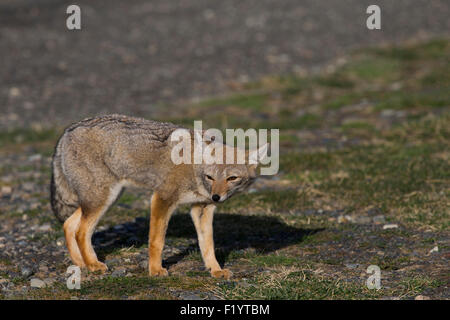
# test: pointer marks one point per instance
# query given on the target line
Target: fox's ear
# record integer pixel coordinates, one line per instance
(256, 156)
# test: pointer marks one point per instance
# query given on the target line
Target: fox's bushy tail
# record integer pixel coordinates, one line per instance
(63, 199)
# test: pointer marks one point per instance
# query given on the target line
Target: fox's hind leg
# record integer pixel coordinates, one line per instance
(70, 229)
(88, 221)
(203, 221)
(91, 214)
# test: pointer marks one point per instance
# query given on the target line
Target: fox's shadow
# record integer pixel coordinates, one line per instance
(232, 232)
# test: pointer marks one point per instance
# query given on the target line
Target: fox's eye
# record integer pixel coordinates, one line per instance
(231, 178)
(209, 177)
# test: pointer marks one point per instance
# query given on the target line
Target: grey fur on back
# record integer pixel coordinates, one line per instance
(102, 151)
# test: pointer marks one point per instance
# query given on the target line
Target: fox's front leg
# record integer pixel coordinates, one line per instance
(203, 221)
(161, 211)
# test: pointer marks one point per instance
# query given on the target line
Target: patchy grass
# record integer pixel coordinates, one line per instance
(368, 139)
(293, 283)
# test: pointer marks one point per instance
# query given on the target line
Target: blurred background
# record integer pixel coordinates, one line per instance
(134, 57)
(364, 119)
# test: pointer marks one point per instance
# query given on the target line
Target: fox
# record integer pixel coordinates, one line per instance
(96, 158)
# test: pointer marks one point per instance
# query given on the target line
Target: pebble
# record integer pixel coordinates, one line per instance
(37, 283)
(390, 226)
(45, 227)
(119, 272)
(379, 219)
(112, 262)
(435, 249)
(6, 190)
(143, 264)
(26, 272)
(421, 297)
(35, 157)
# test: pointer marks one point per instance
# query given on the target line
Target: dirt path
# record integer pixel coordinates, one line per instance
(130, 57)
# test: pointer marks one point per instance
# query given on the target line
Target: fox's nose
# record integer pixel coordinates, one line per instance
(216, 197)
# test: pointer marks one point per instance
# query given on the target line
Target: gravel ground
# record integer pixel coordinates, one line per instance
(135, 57)
(139, 57)
(33, 254)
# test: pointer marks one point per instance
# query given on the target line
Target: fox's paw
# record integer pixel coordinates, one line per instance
(158, 272)
(222, 273)
(79, 263)
(97, 266)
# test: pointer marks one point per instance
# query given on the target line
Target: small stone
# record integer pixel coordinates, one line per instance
(60, 242)
(144, 264)
(37, 283)
(390, 226)
(435, 249)
(26, 272)
(6, 190)
(35, 157)
(45, 227)
(352, 265)
(379, 219)
(112, 262)
(14, 92)
(421, 297)
(119, 272)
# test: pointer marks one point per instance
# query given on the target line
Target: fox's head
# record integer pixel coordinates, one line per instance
(222, 181)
